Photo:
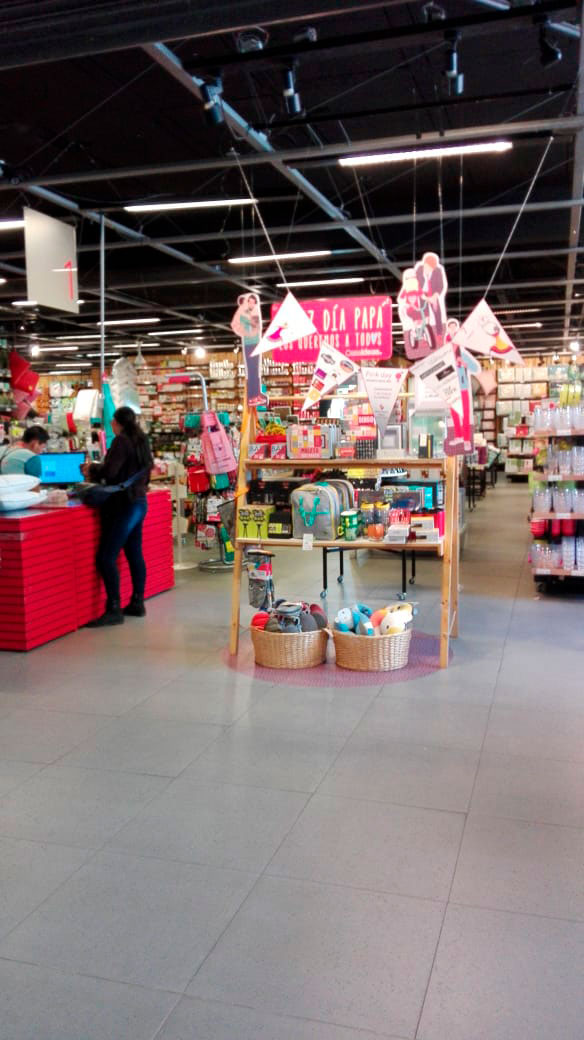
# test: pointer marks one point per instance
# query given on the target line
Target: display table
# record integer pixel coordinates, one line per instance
(48, 582)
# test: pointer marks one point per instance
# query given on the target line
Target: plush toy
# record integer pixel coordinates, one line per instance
(377, 617)
(355, 619)
(260, 619)
(308, 622)
(392, 624)
(273, 625)
(319, 615)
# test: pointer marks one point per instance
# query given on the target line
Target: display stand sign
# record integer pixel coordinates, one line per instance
(483, 333)
(332, 368)
(438, 372)
(421, 306)
(288, 324)
(358, 326)
(247, 324)
(382, 386)
(51, 262)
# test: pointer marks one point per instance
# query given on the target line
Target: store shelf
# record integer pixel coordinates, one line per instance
(557, 516)
(543, 475)
(341, 543)
(559, 433)
(555, 572)
(346, 464)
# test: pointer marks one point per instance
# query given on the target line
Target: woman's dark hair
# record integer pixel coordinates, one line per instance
(126, 417)
(35, 433)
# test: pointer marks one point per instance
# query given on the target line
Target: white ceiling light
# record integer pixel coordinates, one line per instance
(272, 257)
(175, 332)
(64, 371)
(439, 152)
(107, 353)
(574, 346)
(319, 281)
(130, 321)
(200, 353)
(78, 364)
(24, 303)
(81, 302)
(57, 350)
(11, 225)
(526, 325)
(35, 351)
(2, 281)
(84, 335)
(159, 207)
(517, 310)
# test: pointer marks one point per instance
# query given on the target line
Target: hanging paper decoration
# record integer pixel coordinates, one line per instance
(247, 323)
(382, 386)
(421, 306)
(483, 333)
(459, 438)
(439, 374)
(290, 323)
(332, 368)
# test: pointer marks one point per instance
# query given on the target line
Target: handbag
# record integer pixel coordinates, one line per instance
(96, 495)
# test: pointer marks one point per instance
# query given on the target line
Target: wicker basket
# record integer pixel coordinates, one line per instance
(283, 650)
(372, 653)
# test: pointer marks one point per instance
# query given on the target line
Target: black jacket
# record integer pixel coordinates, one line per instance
(120, 463)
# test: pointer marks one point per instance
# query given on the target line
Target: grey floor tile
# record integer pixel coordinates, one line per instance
(32, 736)
(95, 693)
(504, 976)
(358, 959)
(216, 824)
(81, 807)
(136, 745)
(531, 868)
(13, 774)
(144, 921)
(29, 872)
(207, 695)
(329, 712)
(535, 733)
(292, 761)
(387, 848)
(37, 1004)
(525, 789)
(414, 721)
(203, 1020)
(459, 682)
(406, 774)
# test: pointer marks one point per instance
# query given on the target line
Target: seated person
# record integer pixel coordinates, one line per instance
(21, 457)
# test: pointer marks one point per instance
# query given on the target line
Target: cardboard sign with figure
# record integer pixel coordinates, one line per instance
(421, 306)
(483, 333)
(247, 324)
(290, 323)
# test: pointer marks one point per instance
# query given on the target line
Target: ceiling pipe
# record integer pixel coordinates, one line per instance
(522, 128)
(259, 142)
(565, 28)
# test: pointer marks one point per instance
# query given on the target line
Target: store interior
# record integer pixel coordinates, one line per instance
(329, 785)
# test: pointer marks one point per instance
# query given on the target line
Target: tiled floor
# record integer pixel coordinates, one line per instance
(190, 854)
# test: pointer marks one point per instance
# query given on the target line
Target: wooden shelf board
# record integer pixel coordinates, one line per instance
(343, 463)
(340, 543)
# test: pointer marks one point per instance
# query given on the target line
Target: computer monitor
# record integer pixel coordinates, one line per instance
(61, 467)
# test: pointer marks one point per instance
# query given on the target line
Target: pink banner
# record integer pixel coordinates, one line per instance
(358, 326)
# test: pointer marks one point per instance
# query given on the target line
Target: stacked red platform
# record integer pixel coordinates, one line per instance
(48, 582)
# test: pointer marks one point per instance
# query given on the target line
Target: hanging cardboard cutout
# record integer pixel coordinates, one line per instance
(438, 373)
(247, 324)
(332, 368)
(382, 386)
(421, 306)
(289, 324)
(483, 333)
(459, 438)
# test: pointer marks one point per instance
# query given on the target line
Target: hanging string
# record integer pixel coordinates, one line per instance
(257, 213)
(440, 209)
(519, 215)
(414, 214)
(460, 202)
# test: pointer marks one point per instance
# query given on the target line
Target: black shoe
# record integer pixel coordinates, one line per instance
(135, 608)
(113, 616)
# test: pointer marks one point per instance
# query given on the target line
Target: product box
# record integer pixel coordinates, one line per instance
(257, 451)
(252, 521)
(280, 524)
(277, 451)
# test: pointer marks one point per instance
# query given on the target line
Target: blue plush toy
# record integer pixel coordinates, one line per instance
(354, 619)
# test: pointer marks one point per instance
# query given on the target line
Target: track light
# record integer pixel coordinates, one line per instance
(549, 50)
(454, 78)
(211, 94)
(432, 12)
(290, 95)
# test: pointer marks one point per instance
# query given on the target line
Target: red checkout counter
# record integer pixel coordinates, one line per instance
(48, 582)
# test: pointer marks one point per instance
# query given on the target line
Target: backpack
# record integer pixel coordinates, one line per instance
(316, 510)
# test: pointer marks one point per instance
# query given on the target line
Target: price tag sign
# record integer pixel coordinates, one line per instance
(307, 542)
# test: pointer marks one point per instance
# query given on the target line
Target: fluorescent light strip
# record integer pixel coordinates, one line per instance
(130, 321)
(2, 281)
(177, 332)
(11, 225)
(440, 152)
(65, 371)
(159, 207)
(56, 350)
(319, 281)
(272, 257)
(526, 325)
(78, 364)
(519, 310)
(24, 303)
(107, 353)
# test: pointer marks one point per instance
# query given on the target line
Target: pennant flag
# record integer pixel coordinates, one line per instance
(290, 323)
(382, 385)
(332, 368)
(483, 333)
(438, 372)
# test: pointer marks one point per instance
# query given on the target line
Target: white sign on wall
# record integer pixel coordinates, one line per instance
(51, 261)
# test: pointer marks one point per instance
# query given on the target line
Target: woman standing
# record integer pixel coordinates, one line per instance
(122, 517)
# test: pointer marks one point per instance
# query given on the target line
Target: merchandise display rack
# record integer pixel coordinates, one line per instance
(447, 549)
(544, 475)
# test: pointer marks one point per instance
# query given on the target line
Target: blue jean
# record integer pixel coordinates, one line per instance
(122, 529)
